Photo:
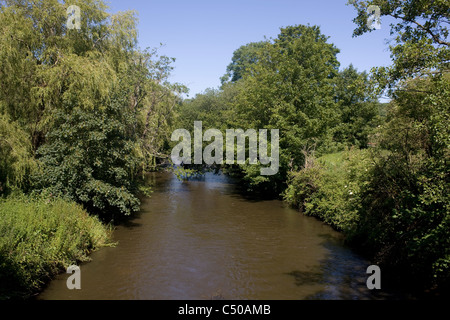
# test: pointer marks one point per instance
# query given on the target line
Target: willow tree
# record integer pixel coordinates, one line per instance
(160, 101)
(80, 93)
(44, 64)
(16, 160)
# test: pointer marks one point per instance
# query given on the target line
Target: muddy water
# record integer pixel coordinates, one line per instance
(203, 240)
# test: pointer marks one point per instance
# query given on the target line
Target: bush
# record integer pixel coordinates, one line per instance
(41, 238)
(329, 188)
(405, 219)
(392, 202)
(89, 158)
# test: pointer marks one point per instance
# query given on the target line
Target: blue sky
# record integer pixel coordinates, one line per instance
(202, 35)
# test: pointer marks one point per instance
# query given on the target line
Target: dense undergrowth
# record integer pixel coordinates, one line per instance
(41, 237)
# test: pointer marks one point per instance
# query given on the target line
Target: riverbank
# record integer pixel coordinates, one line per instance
(353, 192)
(329, 188)
(198, 239)
(40, 238)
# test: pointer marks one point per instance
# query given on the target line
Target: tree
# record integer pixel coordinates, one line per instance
(405, 217)
(89, 158)
(156, 103)
(16, 159)
(421, 46)
(43, 64)
(359, 112)
(290, 88)
(208, 107)
(52, 77)
(242, 59)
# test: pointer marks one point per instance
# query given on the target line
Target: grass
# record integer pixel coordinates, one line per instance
(40, 238)
(329, 189)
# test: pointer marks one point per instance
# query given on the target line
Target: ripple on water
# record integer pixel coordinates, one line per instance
(202, 240)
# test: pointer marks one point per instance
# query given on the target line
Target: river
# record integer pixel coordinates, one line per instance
(202, 240)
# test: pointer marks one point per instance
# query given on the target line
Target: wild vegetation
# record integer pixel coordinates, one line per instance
(377, 172)
(40, 237)
(84, 114)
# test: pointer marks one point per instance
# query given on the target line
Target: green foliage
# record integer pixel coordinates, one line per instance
(60, 92)
(360, 113)
(209, 107)
(16, 161)
(329, 188)
(422, 45)
(241, 61)
(290, 88)
(65, 122)
(89, 159)
(404, 222)
(392, 201)
(156, 102)
(44, 65)
(40, 238)
(83, 114)
(406, 216)
(290, 83)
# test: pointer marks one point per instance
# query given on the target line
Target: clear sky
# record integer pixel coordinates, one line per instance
(203, 34)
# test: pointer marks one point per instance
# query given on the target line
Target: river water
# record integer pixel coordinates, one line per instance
(202, 240)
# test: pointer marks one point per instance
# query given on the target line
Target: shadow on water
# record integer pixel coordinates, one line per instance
(131, 223)
(242, 191)
(307, 277)
(341, 274)
(202, 239)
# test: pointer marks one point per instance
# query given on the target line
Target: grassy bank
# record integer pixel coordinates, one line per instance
(328, 188)
(356, 192)
(40, 238)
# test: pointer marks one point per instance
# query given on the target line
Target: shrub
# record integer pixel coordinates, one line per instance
(405, 219)
(329, 189)
(90, 159)
(41, 238)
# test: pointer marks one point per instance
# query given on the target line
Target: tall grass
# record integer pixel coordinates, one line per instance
(39, 238)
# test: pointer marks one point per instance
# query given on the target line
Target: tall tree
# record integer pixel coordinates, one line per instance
(290, 88)
(43, 63)
(60, 84)
(359, 112)
(405, 218)
(241, 61)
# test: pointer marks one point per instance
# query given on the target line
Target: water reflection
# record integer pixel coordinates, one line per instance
(202, 240)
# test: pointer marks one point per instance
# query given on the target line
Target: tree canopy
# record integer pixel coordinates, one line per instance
(59, 84)
(421, 37)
